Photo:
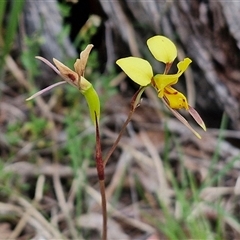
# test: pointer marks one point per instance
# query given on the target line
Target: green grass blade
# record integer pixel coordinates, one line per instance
(13, 20)
(2, 10)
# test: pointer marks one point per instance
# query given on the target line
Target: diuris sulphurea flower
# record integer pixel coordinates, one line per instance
(141, 72)
(77, 80)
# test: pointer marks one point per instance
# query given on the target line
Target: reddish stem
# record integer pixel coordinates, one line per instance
(135, 102)
(100, 171)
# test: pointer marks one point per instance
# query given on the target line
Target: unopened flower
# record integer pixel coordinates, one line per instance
(76, 79)
(141, 72)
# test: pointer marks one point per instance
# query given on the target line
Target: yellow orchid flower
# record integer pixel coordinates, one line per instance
(76, 79)
(141, 72)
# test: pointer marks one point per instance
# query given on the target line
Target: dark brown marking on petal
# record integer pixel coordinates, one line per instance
(153, 83)
(71, 76)
(170, 93)
(167, 101)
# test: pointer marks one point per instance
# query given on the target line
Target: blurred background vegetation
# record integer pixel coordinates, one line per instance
(162, 182)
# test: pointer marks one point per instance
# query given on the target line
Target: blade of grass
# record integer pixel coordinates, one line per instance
(215, 177)
(13, 21)
(2, 11)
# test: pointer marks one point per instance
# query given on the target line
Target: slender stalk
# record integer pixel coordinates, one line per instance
(134, 104)
(119, 137)
(104, 209)
(100, 164)
(101, 176)
(167, 68)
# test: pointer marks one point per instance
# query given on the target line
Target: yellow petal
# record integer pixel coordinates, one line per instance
(162, 48)
(183, 65)
(139, 70)
(163, 80)
(175, 99)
